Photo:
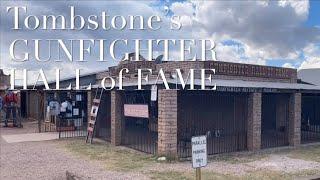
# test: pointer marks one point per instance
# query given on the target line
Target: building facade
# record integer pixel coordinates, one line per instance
(4, 82)
(253, 107)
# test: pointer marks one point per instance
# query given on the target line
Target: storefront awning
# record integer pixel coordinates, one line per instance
(227, 83)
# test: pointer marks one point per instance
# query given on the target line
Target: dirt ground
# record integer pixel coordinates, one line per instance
(51, 159)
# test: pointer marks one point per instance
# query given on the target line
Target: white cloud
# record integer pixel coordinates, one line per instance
(82, 8)
(311, 57)
(301, 7)
(263, 29)
(182, 8)
(267, 29)
(313, 62)
(288, 65)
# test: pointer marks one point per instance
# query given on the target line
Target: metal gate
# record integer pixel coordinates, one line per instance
(222, 117)
(310, 118)
(74, 122)
(103, 123)
(141, 133)
(274, 120)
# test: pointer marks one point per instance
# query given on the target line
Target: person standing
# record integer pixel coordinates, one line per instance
(10, 101)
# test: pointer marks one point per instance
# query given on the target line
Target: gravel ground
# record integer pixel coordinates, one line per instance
(45, 160)
(49, 160)
(280, 163)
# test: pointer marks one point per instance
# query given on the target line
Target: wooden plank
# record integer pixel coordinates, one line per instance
(90, 129)
(97, 101)
(92, 122)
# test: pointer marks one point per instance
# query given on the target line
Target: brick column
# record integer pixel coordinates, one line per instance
(117, 117)
(295, 119)
(254, 121)
(167, 123)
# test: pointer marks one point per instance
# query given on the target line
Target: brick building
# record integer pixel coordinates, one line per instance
(253, 107)
(4, 82)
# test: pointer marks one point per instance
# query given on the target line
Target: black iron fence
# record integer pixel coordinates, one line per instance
(310, 133)
(72, 122)
(310, 119)
(141, 139)
(72, 127)
(217, 142)
(221, 117)
(275, 120)
(141, 133)
(274, 138)
(67, 127)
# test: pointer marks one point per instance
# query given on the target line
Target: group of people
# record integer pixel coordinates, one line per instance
(10, 104)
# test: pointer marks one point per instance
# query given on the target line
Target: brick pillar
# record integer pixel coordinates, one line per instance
(117, 117)
(254, 121)
(295, 119)
(167, 123)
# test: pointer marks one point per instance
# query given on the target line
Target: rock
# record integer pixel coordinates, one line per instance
(162, 158)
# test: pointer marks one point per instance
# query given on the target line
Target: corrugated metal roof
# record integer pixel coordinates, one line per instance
(232, 83)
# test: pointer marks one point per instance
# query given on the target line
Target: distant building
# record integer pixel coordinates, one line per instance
(4, 81)
(310, 75)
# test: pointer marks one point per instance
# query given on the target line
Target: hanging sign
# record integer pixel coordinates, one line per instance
(136, 110)
(154, 92)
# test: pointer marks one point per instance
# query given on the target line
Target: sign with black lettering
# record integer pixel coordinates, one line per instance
(199, 151)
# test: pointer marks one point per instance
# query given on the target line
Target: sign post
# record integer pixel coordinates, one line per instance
(199, 154)
(198, 173)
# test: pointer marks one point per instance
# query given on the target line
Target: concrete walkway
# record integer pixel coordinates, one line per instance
(30, 137)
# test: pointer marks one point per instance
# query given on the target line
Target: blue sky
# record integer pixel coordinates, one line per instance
(312, 21)
(314, 14)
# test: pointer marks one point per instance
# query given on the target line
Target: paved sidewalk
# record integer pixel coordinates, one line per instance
(30, 137)
(47, 160)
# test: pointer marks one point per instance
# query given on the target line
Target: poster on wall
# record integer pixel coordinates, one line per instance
(136, 110)
(78, 97)
(76, 112)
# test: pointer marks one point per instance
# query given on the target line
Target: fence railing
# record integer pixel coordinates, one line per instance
(141, 140)
(274, 138)
(310, 133)
(69, 128)
(217, 143)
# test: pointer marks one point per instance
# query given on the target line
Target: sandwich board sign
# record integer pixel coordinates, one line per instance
(199, 151)
(199, 154)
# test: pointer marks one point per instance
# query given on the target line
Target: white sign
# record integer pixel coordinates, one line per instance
(136, 110)
(199, 151)
(154, 92)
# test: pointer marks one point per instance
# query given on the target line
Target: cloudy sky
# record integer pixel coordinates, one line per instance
(276, 33)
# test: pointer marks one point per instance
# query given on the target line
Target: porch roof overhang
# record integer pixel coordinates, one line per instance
(260, 84)
(223, 83)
